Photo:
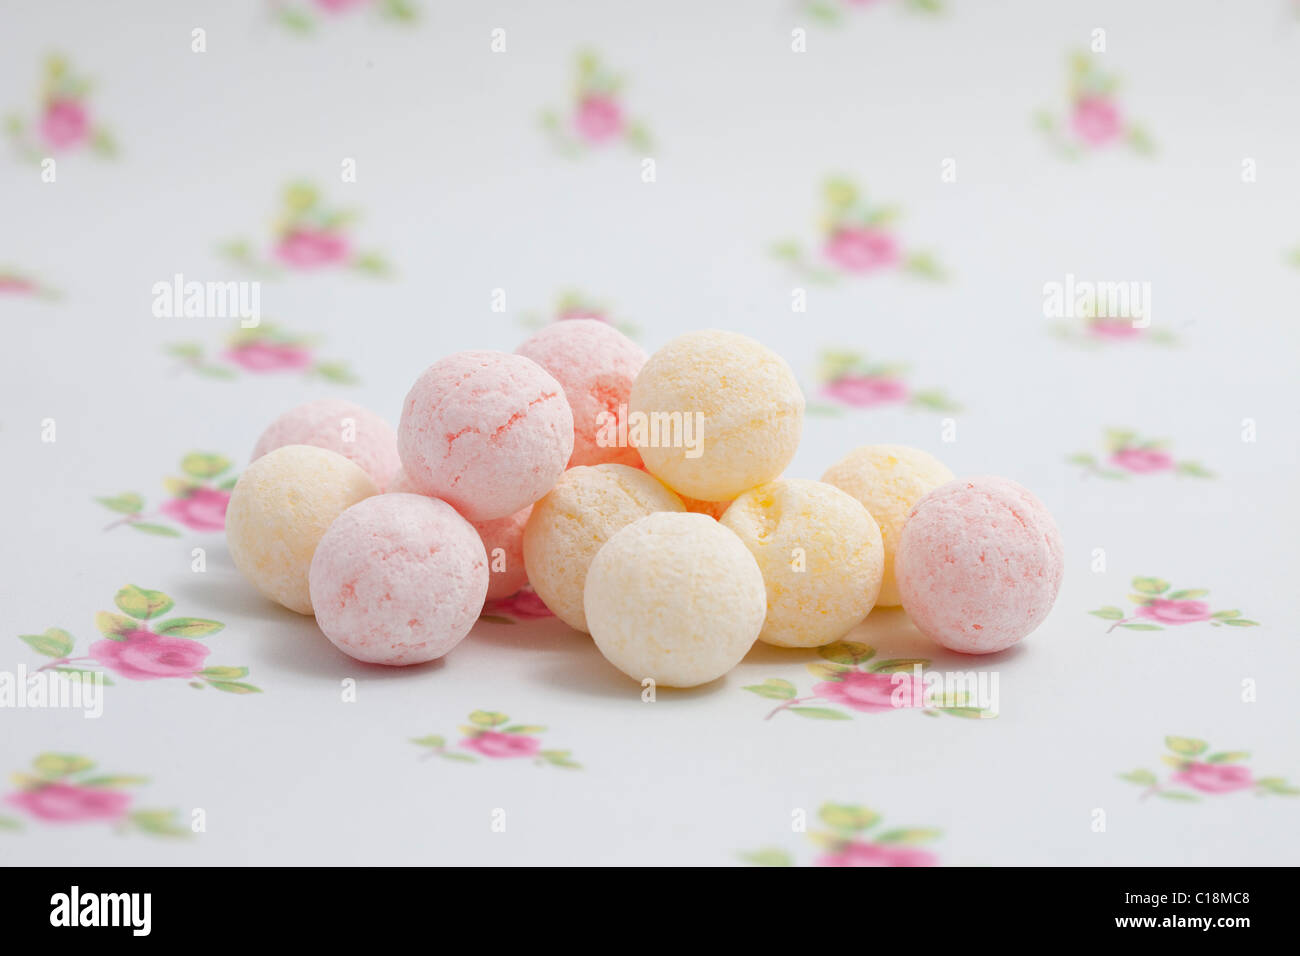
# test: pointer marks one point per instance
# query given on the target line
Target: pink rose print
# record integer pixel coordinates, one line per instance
(862, 249)
(308, 249)
(66, 789)
(850, 380)
(1158, 605)
(1125, 453)
(490, 735)
(597, 117)
(1143, 461)
(1097, 121)
(66, 803)
(143, 655)
(1114, 328)
(572, 304)
(1175, 612)
(303, 16)
(524, 605)
(268, 357)
(198, 500)
(340, 6)
(15, 284)
(140, 644)
(852, 678)
(1213, 774)
(853, 838)
(1093, 119)
(489, 743)
(203, 509)
(834, 13)
(62, 122)
(1092, 331)
(266, 349)
(857, 240)
(873, 854)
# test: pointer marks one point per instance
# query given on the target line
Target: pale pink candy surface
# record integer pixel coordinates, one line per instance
(356, 433)
(398, 579)
(596, 364)
(487, 432)
(979, 564)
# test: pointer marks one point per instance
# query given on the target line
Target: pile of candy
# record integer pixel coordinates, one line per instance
(643, 502)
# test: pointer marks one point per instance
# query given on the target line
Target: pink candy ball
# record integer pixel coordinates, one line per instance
(356, 433)
(398, 579)
(979, 564)
(596, 364)
(487, 432)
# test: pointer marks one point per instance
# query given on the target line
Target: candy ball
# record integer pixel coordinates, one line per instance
(568, 526)
(821, 557)
(674, 597)
(714, 414)
(978, 565)
(596, 364)
(888, 480)
(356, 433)
(487, 432)
(398, 579)
(278, 511)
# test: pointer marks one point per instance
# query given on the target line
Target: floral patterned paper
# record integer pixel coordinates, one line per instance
(850, 380)
(138, 646)
(266, 349)
(1128, 454)
(198, 501)
(853, 837)
(1094, 119)
(1198, 773)
(596, 117)
(1158, 607)
(573, 304)
(66, 788)
(490, 736)
(64, 122)
(305, 16)
(836, 12)
(23, 285)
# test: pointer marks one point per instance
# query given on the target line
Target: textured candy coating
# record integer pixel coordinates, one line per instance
(888, 480)
(398, 579)
(821, 557)
(278, 511)
(675, 597)
(979, 564)
(596, 364)
(356, 433)
(751, 405)
(487, 432)
(567, 527)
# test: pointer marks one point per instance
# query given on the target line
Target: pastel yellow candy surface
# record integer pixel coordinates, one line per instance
(675, 597)
(821, 557)
(748, 403)
(889, 480)
(283, 504)
(570, 523)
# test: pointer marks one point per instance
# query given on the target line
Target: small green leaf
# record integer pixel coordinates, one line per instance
(487, 718)
(142, 604)
(1082, 458)
(235, 687)
(827, 670)
(432, 740)
(203, 466)
(53, 643)
(910, 836)
(1225, 615)
(969, 713)
(161, 530)
(189, 627)
(459, 758)
(127, 503)
(1144, 778)
(896, 664)
(61, 765)
(1108, 613)
(9, 823)
(1187, 594)
(224, 673)
(524, 729)
(115, 780)
(1193, 470)
(1150, 585)
(159, 823)
(820, 713)
(1278, 786)
(847, 652)
(840, 816)
(1177, 795)
(1241, 622)
(1142, 627)
(1228, 756)
(768, 856)
(773, 688)
(1186, 746)
(114, 626)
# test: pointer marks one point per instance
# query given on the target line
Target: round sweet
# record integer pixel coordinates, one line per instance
(503, 539)
(979, 563)
(821, 557)
(356, 433)
(398, 579)
(567, 527)
(675, 597)
(487, 432)
(278, 511)
(596, 364)
(737, 414)
(888, 480)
